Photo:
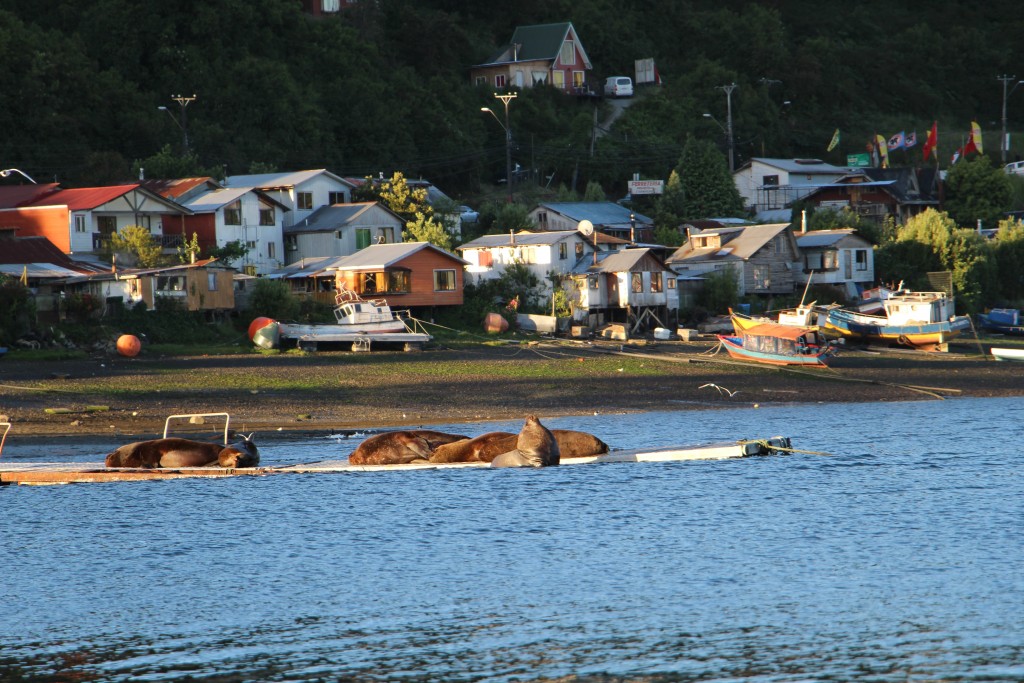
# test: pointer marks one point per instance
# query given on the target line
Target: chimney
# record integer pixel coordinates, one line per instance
(803, 221)
(512, 237)
(142, 173)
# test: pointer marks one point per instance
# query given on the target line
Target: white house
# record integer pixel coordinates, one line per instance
(606, 217)
(342, 229)
(836, 257)
(631, 285)
(303, 192)
(774, 184)
(249, 216)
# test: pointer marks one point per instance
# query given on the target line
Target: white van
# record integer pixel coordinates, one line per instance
(618, 86)
(1016, 168)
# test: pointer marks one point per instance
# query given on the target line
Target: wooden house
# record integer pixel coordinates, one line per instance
(875, 193)
(772, 185)
(302, 192)
(762, 258)
(836, 257)
(341, 230)
(631, 286)
(544, 54)
(608, 218)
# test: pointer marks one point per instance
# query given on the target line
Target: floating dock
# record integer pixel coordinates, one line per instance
(41, 473)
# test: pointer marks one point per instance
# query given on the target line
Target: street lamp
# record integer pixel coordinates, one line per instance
(183, 101)
(508, 138)
(728, 121)
(728, 137)
(1003, 146)
(8, 171)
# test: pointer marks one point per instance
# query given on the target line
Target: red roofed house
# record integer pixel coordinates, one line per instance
(546, 54)
(80, 221)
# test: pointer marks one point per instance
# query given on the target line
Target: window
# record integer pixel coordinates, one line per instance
(211, 282)
(233, 213)
(485, 257)
(861, 257)
(671, 283)
(770, 181)
(170, 283)
(371, 283)
(135, 289)
(362, 238)
(579, 250)
(271, 250)
(335, 197)
(444, 280)
(656, 282)
(267, 215)
(813, 261)
(762, 277)
(563, 251)
(398, 282)
(542, 218)
(593, 282)
(330, 5)
(558, 79)
(568, 53)
(481, 80)
(251, 245)
(79, 223)
(578, 79)
(304, 200)
(106, 224)
(638, 282)
(385, 235)
(291, 243)
(499, 80)
(539, 77)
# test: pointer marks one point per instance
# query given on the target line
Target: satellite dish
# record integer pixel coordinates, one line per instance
(586, 227)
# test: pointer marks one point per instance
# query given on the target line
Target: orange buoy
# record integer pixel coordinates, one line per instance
(257, 324)
(494, 323)
(128, 345)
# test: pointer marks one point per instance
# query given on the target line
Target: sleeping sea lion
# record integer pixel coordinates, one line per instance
(177, 452)
(482, 448)
(400, 447)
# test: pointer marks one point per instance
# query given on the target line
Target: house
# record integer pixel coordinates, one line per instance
(761, 257)
(205, 285)
(606, 217)
(326, 8)
(342, 229)
(544, 54)
(42, 267)
(446, 210)
(773, 184)
(875, 193)
(405, 274)
(80, 221)
(249, 216)
(303, 192)
(836, 257)
(541, 252)
(633, 286)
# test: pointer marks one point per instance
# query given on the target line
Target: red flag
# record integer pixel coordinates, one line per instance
(932, 141)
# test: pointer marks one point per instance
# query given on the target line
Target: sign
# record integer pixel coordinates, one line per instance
(638, 187)
(862, 159)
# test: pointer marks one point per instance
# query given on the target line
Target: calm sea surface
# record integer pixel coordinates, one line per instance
(899, 557)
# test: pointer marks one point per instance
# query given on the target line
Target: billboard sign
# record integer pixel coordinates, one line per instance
(638, 187)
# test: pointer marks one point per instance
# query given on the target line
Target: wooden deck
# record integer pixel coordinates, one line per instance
(41, 473)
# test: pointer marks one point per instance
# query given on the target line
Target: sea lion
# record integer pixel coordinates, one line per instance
(400, 447)
(482, 448)
(535, 447)
(177, 452)
(573, 444)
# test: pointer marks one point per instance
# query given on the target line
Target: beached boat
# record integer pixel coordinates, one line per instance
(805, 315)
(1016, 355)
(777, 344)
(357, 321)
(1002, 320)
(920, 320)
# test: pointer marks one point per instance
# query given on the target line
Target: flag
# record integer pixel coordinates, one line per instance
(910, 140)
(834, 142)
(956, 156)
(883, 150)
(932, 141)
(974, 142)
(24, 275)
(896, 141)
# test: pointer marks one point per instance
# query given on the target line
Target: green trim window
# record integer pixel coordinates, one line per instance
(362, 238)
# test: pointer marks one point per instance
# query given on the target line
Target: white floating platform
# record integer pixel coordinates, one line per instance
(40, 473)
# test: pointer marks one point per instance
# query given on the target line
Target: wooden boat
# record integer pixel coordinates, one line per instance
(921, 320)
(1016, 355)
(777, 344)
(805, 315)
(358, 321)
(1002, 320)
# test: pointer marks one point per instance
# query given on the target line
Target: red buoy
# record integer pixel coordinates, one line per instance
(258, 324)
(128, 345)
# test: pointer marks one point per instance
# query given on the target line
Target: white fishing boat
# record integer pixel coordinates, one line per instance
(1016, 355)
(358, 321)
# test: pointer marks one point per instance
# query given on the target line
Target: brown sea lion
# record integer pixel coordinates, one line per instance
(400, 447)
(482, 448)
(573, 444)
(177, 452)
(535, 447)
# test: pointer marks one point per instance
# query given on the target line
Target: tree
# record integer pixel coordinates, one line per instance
(17, 309)
(1008, 252)
(411, 204)
(139, 245)
(189, 250)
(706, 183)
(671, 205)
(975, 190)
(234, 250)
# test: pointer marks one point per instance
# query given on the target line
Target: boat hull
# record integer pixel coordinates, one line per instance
(871, 328)
(734, 346)
(1015, 355)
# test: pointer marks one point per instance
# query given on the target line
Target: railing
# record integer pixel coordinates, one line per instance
(100, 241)
(171, 241)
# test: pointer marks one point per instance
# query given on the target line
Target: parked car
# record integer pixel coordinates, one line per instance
(468, 215)
(618, 86)
(1016, 168)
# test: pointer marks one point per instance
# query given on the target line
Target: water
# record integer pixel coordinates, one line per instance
(896, 558)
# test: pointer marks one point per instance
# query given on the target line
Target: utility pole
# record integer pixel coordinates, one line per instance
(183, 102)
(728, 123)
(1003, 146)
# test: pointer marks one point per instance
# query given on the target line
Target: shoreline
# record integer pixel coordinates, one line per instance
(337, 392)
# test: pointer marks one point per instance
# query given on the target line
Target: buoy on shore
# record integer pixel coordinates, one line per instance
(128, 345)
(258, 324)
(494, 323)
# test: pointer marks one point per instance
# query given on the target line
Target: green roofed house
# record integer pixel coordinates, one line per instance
(544, 54)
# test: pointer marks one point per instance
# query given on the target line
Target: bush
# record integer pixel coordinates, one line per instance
(273, 299)
(17, 309)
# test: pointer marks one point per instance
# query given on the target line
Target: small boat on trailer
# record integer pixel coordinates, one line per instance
(775, 344)
(359, 322)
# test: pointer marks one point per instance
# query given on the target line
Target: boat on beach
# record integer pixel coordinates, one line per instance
(358, 321)
(1003, 321)
(1016, 355)
(921, 320)
(775, 344)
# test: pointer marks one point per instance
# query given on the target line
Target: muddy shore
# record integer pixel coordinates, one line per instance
(339, 391)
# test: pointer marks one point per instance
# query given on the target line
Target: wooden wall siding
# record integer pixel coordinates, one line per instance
(198, 295)
(205, 226)
(422, 265)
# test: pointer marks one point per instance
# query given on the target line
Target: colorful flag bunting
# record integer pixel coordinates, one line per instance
(896, 141)
(834, 142)
(910, 140)
(932, 141)
(883, 150)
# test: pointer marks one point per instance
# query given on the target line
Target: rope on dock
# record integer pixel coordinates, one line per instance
(768, 446)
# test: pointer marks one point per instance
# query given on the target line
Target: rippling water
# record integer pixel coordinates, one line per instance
(896, 558)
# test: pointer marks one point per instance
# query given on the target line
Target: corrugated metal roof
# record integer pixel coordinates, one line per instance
(333, 217)
(598, 213)
(12, 196)
(620, 261)
(267, 181)
(35, 249)
(380, 256)
(821, 238)
(539, 42)
(805, 166)
(39, 271)
(523, 237)
(173, 188)
(84, 198)
(213, 200)
(750, 239)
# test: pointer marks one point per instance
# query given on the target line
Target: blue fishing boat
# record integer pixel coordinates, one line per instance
(919, 320)
(776, 344)
(1002, 320)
